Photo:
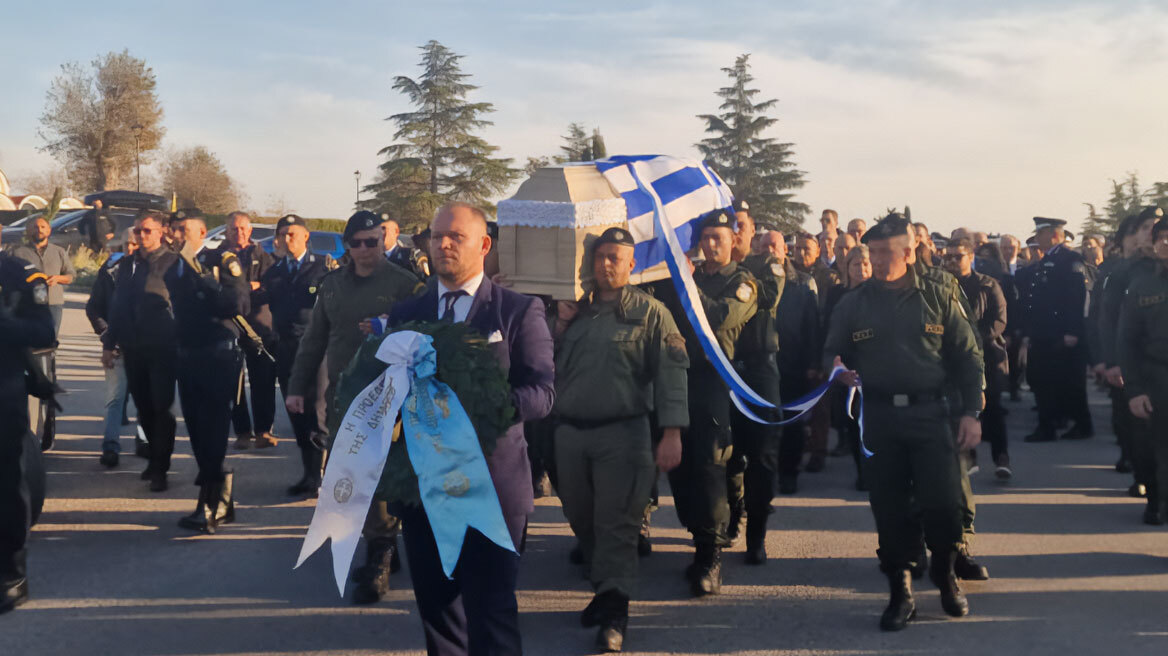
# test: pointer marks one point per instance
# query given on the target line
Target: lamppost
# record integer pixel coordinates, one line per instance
(357, 174)
(137, 128)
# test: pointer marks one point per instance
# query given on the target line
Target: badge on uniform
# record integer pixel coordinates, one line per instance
(40, 294)
(934, 329)
(861, 335)
(312, 289)
(234, 268)
(777, 269)
(1145, 301)
(745, 292)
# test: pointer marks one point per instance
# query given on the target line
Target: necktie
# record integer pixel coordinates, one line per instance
(293, 266)
(449, 299)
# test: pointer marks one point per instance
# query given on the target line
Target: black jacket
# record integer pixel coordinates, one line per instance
(290, 297)
(140, 315)
(1054, 296)
(800, 339)
(97, 308)
(206, 302)
(988, 304)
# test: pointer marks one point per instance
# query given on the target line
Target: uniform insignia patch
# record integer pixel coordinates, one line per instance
(1145, 301)
(312, 290)
(777, 269)
(934, 329)
(40, 294)
(861, 335)
(234, 268)
(675, 343)
(745, 292)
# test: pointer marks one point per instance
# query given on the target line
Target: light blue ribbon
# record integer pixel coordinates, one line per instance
(740, 393)
(453, 479)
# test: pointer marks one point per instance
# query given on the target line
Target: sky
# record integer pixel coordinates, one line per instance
(979, 114)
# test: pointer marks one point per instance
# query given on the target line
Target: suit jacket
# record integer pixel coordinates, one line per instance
(526, 353)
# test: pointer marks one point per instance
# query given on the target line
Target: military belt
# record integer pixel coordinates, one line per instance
(589, 424)
(220, 345)
(901, 400)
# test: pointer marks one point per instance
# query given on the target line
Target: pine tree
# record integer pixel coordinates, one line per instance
(437, 157)
(599, 150)
(576, 145)
(1158, 195)
(1094, 223)
(758, 169)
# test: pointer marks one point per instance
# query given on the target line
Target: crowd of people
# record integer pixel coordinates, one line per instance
(614, 388)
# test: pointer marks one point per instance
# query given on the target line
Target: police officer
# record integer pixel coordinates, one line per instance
(289, 288)
(410, 259)
(25, 322)
(1143, 359)
(208, 290)
(729, 297)
(261, 371)
(1055, 303)
(364, 288)
(142, 330)
(619, 356)
(908, 338)
(753, 467)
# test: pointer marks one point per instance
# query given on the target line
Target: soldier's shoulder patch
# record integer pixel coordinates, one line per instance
(232, 263)
(312, 289)
(777, 269)
(40, 293)
(861, 335)
(675, 344)
(935, 328)
(745, 291)
(1145, 301)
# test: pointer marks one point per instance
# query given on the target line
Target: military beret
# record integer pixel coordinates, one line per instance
(717, 219)
(1161, 226)
(893, 225)
(186, 213)
(741, 206)
(614, 236)
(1152, 212)
(362, 220)
(291, 220)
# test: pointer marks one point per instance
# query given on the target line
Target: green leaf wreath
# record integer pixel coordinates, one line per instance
(466, 364)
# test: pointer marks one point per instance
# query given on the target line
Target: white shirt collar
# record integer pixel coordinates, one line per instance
(299, 260)
(470, 286)
(462, 305)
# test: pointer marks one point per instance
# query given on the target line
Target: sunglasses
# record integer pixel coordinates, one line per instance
(144, 231)
(954, 256)
(367, 243)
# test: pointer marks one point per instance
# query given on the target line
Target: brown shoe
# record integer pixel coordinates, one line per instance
(243, 441)
(265, 441)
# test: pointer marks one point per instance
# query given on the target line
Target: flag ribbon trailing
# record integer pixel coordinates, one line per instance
(453, 480)
(666, 247)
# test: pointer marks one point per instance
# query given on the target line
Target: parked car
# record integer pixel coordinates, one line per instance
(259, 232)
(324, 243)
(121, 207)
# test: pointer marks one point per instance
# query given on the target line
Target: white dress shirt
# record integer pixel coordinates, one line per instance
(462, 305)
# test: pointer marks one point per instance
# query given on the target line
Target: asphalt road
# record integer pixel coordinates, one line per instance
(1074, 569)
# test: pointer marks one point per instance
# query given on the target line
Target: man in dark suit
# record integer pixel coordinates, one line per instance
(476, 612)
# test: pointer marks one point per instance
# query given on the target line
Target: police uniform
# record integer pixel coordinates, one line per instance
(729, 297)
(289, 289)
(344, 299)
(616, 362)
(754, 464)
(800, 339)
(908, 343)
(207, 293)
(254, 261)
(1142, 352)
(1055, 303)
(25, 322)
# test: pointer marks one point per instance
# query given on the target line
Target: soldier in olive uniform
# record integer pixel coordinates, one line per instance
(619, 357)
(25, 322)
(908, 338)
(363, 288)
(753, 467)
(1142, 346)
(729, 298)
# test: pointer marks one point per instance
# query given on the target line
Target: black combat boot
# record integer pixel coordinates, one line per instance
(201, 520)
(615, 623)
(941, 572)
(737, 520)
(225, 507)
(372, 578)
(922, 566)
(14, 582)
(756, 538)
(901, 607)
(707, 571)
(968, 569)
(593, 613)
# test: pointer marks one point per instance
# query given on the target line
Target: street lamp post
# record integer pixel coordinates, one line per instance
(137, 128)
(357, 174)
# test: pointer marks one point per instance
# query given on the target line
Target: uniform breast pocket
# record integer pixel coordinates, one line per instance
(626, 350)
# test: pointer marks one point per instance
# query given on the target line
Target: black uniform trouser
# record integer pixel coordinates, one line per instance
(1017, 369)
(1123, 427)
(307, 424)
(792, 385)
(914, 467)
(15, 513)
(1150, 441)
(261, 377)
(150, 377)
(699, 482)
(752, 472)
(208, 380)
(993, 418)
(1057, 374)
(849, 428)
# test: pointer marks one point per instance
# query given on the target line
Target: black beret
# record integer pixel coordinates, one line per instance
(893, 225)
(716, 219)
(741, 206)
(1152, 212)
(362, 220)
(1161, 226)
(186, 213)
(614, 236)
(291, 220)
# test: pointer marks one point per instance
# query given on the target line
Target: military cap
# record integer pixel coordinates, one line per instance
(291, 220)
(893, 225)
(614, 236)
(716, 219)
(1152, 212)
(362, 220)
(741, 206)
(186, 213)
(1041, 222)
(1161, 226)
